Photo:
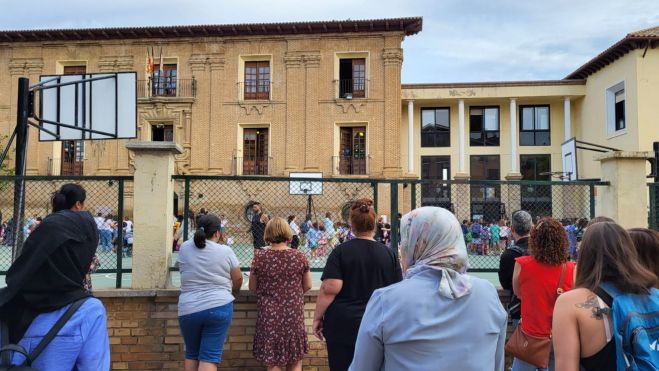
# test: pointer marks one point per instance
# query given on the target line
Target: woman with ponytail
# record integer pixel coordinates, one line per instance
(210, 271)
(353, 271)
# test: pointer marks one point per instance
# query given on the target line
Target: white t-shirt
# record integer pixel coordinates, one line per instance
(129, 225)
(100, 222)
(205, 276)
(503, 232)
(295, 228)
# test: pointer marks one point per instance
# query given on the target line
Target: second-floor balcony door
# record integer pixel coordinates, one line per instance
(352, 75)
(73, 155)
(255, 151)
(352, 159)
(164, 82)
(257, 80)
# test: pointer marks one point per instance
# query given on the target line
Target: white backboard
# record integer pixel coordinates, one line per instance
(305, 187)
(107, 105)
(569, 156)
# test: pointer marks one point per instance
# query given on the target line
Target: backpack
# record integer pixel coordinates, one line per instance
(7, 349)
(485, 234)
(636, 327)
(304, 228)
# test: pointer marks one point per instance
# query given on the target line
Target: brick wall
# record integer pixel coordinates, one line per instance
(144, 332)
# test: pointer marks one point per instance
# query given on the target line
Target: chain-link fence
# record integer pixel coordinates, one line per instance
(325, 203)
(484, 207)
(653, 216)
(106, 200)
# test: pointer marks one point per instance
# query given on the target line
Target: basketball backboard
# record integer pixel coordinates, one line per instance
(569, 156)
(306, 187)
(88, 106)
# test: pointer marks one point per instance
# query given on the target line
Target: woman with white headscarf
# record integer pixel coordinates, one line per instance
(438, 317)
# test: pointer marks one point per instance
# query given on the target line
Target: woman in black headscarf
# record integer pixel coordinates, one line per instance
(49, 275)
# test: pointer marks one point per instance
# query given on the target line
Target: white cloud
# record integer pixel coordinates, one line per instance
(468, 40)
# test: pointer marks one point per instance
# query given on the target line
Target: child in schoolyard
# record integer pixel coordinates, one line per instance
(485, 239)
(312, 238)
(476, 228)
(323, 241)
(494, 237)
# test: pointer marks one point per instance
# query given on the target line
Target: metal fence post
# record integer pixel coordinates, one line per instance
(394, 217)
(186, 208)
(592, 201)
(120, 232)
(375, 195)
(413, 196)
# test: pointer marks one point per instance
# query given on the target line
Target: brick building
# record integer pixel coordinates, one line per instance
(250, 99)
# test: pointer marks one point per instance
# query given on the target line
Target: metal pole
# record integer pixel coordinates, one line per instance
(413, 196)
(655, 146)
(375, 196)
(394, 217)
(120, 232)
(592, 201)
(186, 208)
(19, 169)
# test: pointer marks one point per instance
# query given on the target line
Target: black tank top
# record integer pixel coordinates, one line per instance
(604, 360)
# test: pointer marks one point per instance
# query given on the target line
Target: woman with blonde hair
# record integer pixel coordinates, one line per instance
(280, 276)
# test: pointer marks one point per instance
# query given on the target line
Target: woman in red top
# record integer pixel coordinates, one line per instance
(536, 279)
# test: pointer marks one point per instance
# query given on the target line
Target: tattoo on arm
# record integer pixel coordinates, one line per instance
(593, 304)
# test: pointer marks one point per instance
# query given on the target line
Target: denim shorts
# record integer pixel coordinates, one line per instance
(204, 333)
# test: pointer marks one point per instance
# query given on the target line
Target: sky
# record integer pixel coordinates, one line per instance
(461, 41)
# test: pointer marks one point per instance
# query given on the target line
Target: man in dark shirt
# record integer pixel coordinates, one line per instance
(521, 227)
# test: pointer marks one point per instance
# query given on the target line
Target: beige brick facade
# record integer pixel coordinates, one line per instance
(303, 113)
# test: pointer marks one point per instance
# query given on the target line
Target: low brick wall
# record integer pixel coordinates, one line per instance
(144, 332)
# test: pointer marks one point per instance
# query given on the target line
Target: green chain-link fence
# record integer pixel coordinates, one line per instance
(492, 202)
(105, 196)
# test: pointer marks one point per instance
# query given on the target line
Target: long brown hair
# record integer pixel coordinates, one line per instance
(607, 254)
(646, 242)
(548, 242)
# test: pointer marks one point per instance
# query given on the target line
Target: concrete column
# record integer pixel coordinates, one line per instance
(153, 212)
(461, 139)
(625, 200)
(514, 173)
(410, 136)
(568, 125)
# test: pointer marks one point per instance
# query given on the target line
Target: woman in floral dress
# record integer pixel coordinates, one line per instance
(280, 276)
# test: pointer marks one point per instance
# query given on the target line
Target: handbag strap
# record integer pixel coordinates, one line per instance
(559, 290)
(56, 328)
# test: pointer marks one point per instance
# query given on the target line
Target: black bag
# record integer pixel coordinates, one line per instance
(7, 350)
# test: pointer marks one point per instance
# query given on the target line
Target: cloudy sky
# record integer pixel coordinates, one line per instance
(462, 40)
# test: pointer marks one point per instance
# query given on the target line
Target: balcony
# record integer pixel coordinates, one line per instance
(262, 165)
(167, 87)
(253, 92)
(351, 88)
(349, 165)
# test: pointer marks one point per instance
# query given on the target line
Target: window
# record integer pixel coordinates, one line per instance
(484, 126)
(257, 80)
(534, 126)
(352, 158)
(73, 151)
(352, 78)
(615, 108)
(437, 169)
(255, 151)
(435, 127)
(536, 198)
(162, 133)
(486, 198)
(164, 82)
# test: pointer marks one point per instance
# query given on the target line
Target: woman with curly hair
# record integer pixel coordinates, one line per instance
(538, 279)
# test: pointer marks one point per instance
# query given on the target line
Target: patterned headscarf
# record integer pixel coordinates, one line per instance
(431, 238)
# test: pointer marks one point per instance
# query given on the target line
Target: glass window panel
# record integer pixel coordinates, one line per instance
(442, 117)
(527, 118)
(491, 119)
(475, 123)
(526, 138)
(427, 119)
(620, 96)
(542, 138)
(542, 118)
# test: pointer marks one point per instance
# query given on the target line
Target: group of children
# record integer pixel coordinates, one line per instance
(321, 237)
(484, 238)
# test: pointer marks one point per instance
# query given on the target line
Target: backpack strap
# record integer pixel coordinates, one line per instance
(56, 328)
(559, 289)
(605, 296)
(5, 357)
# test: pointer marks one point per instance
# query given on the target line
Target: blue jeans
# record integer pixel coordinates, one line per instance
(519, 365)
(106, 239)
(204, 333)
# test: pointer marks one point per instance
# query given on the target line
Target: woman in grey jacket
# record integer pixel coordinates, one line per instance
(438, 317)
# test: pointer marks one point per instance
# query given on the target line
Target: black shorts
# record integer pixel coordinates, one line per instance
(503, 238)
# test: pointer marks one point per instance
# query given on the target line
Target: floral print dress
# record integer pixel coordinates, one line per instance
(280, 337)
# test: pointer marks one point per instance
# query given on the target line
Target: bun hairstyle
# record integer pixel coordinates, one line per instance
(207, 226)
(67, 196)
(362, 216)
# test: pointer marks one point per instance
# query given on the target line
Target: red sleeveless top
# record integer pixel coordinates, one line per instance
(538, 283)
